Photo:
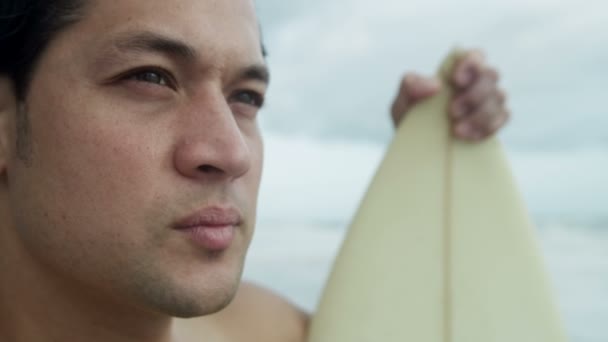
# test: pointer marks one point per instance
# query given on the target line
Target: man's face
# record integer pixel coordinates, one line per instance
(142, 116)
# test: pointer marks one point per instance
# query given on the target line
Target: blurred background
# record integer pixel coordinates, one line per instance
(335, 69)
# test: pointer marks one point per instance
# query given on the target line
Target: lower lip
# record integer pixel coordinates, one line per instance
(212, 238)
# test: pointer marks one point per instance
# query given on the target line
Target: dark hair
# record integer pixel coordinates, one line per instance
(26, 28)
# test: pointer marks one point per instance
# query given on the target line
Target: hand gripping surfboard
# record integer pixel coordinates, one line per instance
(441, 248)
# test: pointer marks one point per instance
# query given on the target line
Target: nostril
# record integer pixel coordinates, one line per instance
(208, 169)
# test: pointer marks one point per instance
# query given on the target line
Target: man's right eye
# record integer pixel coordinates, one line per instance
(153, 76)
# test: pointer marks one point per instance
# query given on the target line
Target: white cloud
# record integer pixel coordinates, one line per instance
(336, 64)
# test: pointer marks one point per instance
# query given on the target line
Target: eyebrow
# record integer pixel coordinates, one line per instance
(146, 41)
(256, 72)
(154, 42)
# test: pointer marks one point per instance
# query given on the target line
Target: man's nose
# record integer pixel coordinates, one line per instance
(212, 145)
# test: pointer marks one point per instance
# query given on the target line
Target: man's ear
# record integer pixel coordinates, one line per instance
(8, 110)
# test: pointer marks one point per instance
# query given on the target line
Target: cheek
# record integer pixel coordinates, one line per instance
(90, 181)
(92, 162)
(87, 166)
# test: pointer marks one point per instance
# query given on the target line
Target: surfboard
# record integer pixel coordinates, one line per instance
(441, 248)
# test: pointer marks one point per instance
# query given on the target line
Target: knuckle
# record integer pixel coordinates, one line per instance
(476, 56)
(405, 80)
(500, 121)
(408, 80)
(478, 96)
(493, 74)
(394, 112)
(507, 115)
(501, 95)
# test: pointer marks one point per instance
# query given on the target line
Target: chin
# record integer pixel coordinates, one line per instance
(189, 303)
(203, 294)
(198, 308)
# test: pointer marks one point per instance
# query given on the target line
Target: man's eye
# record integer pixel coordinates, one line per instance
(152, 76)
(250, 98)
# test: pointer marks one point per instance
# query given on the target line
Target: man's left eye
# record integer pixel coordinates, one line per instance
(250, 98)
(151, 77)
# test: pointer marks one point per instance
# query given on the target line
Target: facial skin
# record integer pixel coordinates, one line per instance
(128, 133)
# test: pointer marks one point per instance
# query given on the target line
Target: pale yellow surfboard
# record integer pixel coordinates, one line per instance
(441, 248)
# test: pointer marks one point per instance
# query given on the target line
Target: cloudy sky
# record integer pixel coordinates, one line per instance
(336, 64)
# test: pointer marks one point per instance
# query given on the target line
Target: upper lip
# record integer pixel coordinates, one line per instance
(212, 216)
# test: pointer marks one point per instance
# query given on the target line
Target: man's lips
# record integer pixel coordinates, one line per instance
(212, 228)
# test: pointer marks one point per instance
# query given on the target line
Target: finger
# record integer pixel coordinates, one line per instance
(493, 127)
(471, 98)
(412, 90)
(467, 68)
(485, 121)
(476, 132)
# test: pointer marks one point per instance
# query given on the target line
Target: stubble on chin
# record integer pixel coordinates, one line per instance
(170, 296)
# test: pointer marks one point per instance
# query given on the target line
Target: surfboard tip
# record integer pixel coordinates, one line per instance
(448, 64)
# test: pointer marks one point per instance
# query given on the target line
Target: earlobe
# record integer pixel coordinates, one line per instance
(8, 110)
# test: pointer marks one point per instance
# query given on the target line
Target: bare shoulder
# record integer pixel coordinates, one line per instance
(258, 314)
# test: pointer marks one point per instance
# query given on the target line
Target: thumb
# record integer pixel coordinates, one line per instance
(412, 90)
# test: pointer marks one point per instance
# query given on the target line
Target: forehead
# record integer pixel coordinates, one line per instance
(216, 27)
